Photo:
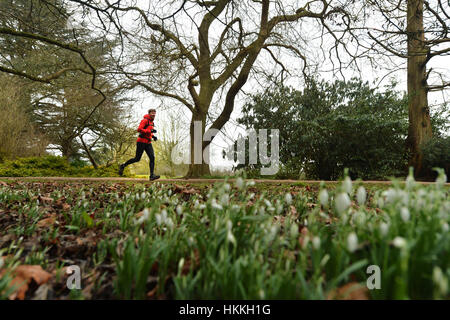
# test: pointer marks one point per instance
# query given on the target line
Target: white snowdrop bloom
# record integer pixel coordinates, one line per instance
(227, 187)
(380, 202)
(215, 205)
(251, 183)
(342, 202)
(136, 196)
(261, 293)
(288, 198)
(445, 227)
(230, 237)
(305, 242)
(163, 215)
(305, 222)
(83, 195)
(279, 208)
(316, 243)
(347, 185)
(294, 230)
(179, 209)
(390, 194)
(239, 183)
(169, 193)
(261, 210)
(404, 213)
(225, 199)
(324, 260)
(361, 195)
(202, 206)
(440, 280)
(410, 182)
(158, 219)
(180, 264)
(360, 218)
(191, 241)
(384, 228)
(323, 197)
(85, 205)
(267, 202)
(399, 242)
(352, 242)
(229, 225)
(441, 179)
(143, 195)
(196, 203)
(251, 196)
(146, 213)
(169, 223)
(107, 214)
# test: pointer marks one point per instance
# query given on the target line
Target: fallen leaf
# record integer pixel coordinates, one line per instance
(23, 275)
(350, 291)
(47, 222)
(45, 199)
(3, 183)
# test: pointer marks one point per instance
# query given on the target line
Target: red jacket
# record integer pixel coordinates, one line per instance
(146, 133)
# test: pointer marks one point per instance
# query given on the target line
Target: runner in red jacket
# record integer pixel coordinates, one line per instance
(144, 143)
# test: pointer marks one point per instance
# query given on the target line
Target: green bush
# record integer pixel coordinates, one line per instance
(54, 166)
(331, 126)
(436, 153)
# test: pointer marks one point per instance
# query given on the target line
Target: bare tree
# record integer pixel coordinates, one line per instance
(418, 32)
(202, 53)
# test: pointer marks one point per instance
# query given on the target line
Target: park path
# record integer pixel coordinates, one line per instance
(196, 180)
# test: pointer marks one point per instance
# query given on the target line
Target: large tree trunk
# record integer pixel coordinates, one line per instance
(197, 166)
(419, 130)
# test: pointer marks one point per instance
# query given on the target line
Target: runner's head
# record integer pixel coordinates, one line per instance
(152, 113)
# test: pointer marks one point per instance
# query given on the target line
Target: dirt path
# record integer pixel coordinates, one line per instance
(118, 179)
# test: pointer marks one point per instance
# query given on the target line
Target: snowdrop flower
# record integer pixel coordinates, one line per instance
(191, 241)
(179, 210)
(384, 228)
(229, 225)
(404, 213)
(347, 185)
(164, 215)
(361, 195)
(227, 187)
(239, 183)
(352, 242)
(267, 202)
(440, 280)
(399, 242)
(202, 206)
(316, 243)
(169, 193)
(215, 205)
(230, 237)
(261, 210)
(380, 202)
(410, 182)
(251, 183)
(323, 197)
(137, 196)
(390, 194)
(225, 199)
(288, 198)
(142, 195)
(261, 293)
(251, 196)
(180, 264)
(342, 202)
(294, 230)
(169, 223)
(158, 219)
(279, 207)
(445, 227)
